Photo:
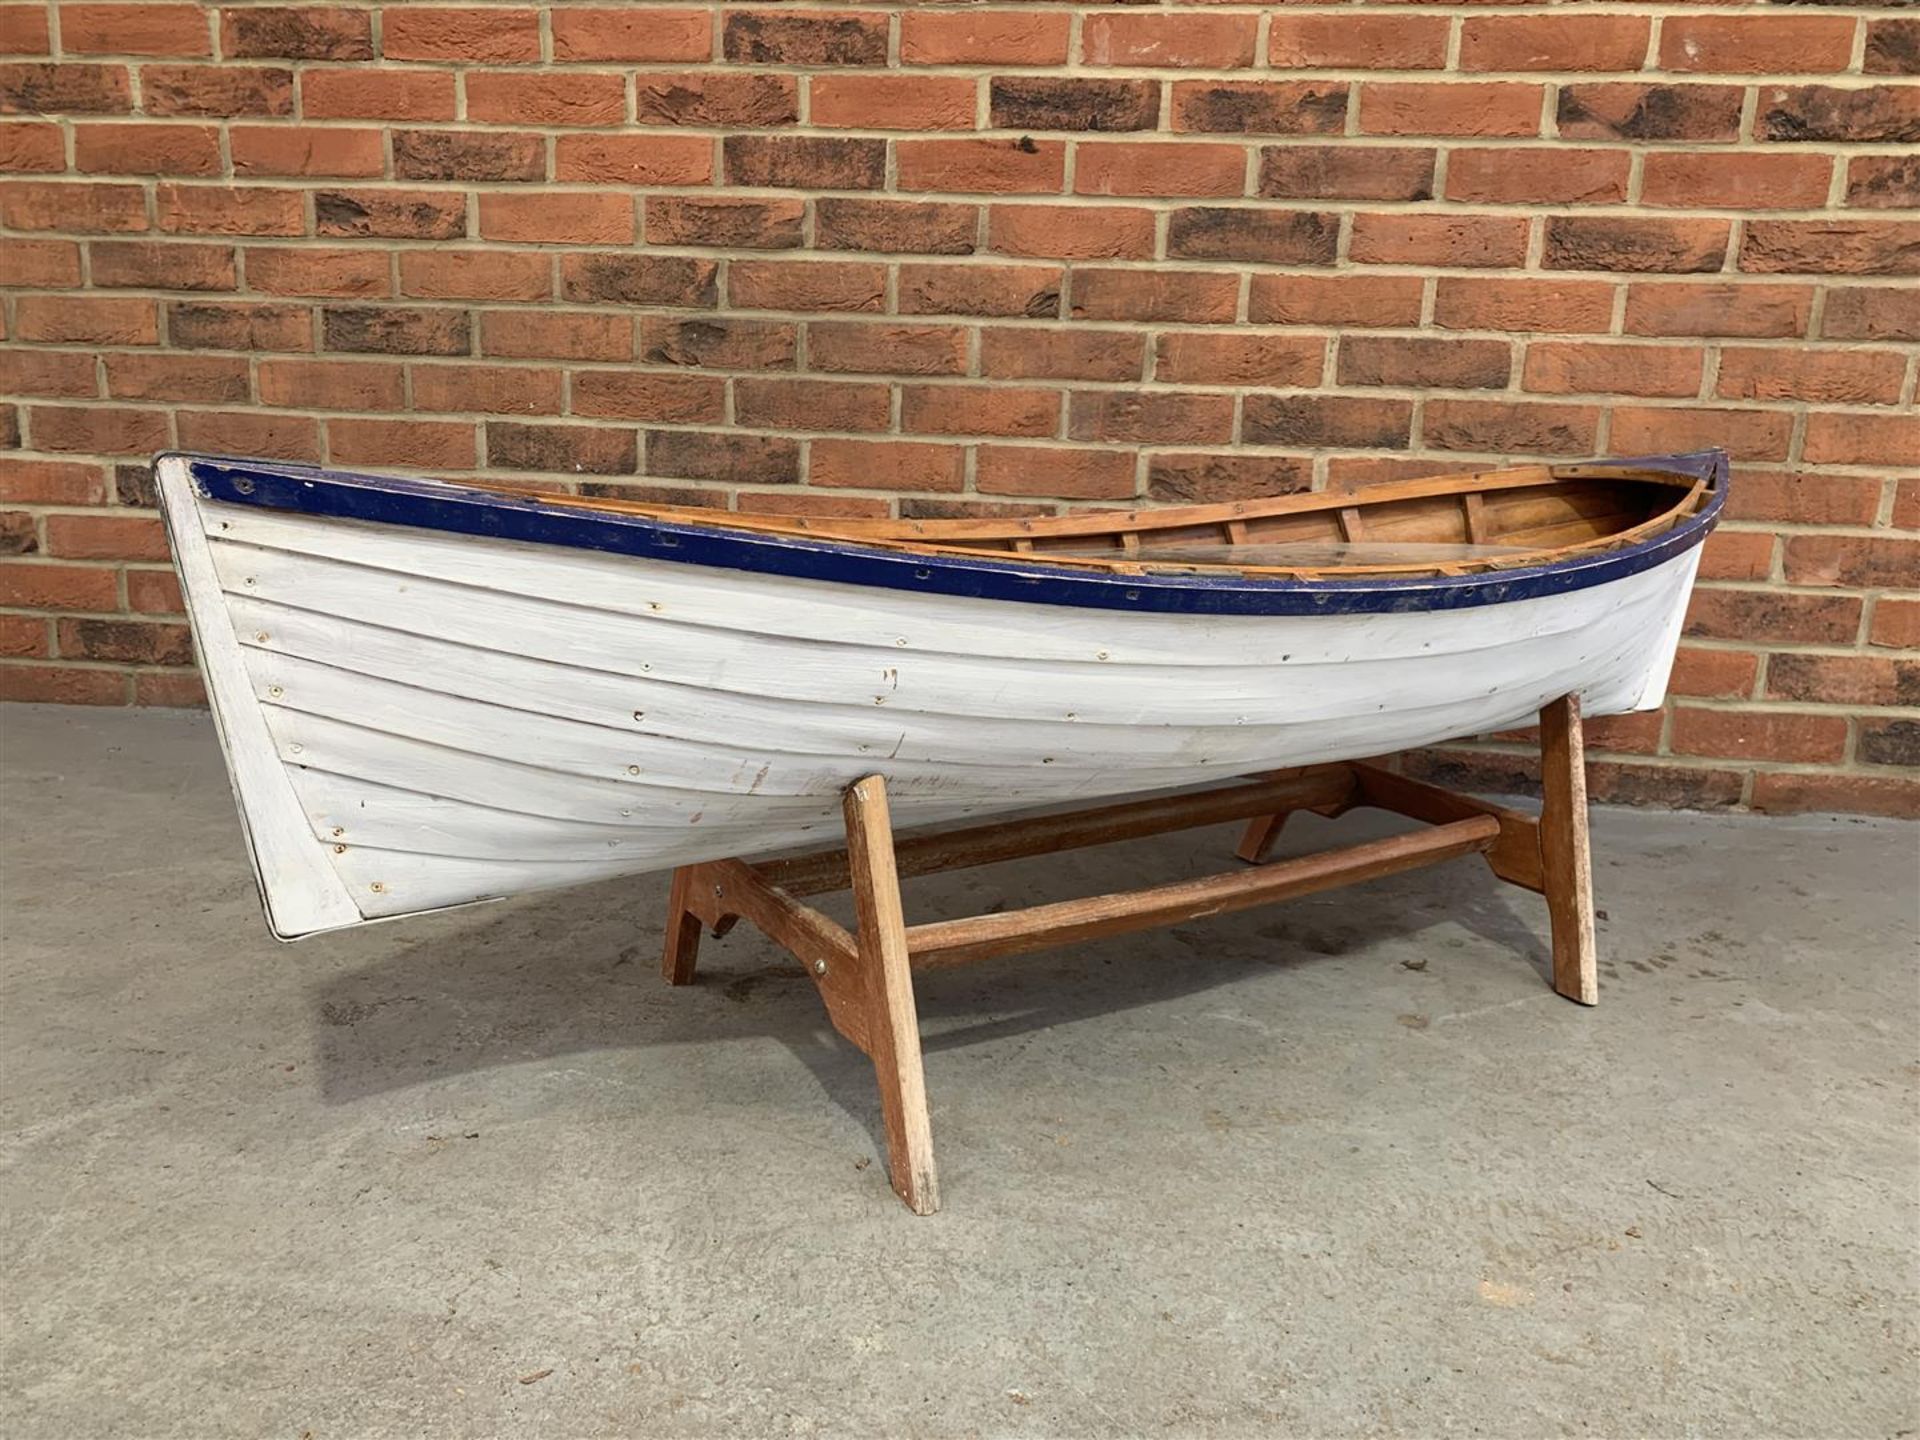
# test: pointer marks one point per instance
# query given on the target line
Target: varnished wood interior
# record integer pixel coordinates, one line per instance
(1450, 524)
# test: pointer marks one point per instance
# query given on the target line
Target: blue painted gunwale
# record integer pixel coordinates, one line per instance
(456, 509)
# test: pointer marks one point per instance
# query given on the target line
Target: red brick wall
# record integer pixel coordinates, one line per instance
(926, 260)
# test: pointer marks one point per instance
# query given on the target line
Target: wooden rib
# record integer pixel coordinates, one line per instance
(1475, 507)
(1014, 839)
(1013, 932)
(1352, 527)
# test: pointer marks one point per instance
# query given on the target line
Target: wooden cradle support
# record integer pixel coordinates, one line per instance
(865, 979)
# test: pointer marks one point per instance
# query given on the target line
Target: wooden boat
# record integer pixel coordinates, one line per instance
(433, 693)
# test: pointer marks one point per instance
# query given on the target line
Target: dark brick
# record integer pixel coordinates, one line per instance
(1203, 479)
(1882, 114)
(805, 162)
(1347, 422)
(401, 214)
(134, 485)
(1278, 237)
(396, 330)
(1602, 242)
(1893, 47)
(640, 280)
(1649, 112)
(307, 32)
(729, 221)
(735, 459)
(1884, 182)
(1255, 107)
(717, 99)
(468, 155)
(597, 449)
(1044, 103)
(1890, 742)
(717, 344)
(760, 38)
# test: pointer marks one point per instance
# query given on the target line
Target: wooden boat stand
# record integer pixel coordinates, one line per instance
(865, 977)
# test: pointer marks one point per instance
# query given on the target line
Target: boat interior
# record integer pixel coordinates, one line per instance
(1443, 525)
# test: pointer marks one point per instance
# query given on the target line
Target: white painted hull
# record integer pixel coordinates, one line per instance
(417, 719)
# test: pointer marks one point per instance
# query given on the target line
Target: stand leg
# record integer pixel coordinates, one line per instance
(683, 931)
(1257, 840)
(893, 1029)
(1566, 856)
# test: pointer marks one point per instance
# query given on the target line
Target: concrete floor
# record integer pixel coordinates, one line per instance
(485, 1175)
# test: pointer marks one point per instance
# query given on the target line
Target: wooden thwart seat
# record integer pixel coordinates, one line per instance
(864, 976)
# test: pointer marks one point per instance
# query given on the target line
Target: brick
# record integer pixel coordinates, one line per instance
(1335, 421)
(1843, 439)
(58, 587)
(1846, 680)
(50, 482)
(1748, 311)
(224, 90)
(1182, 478)
(1259, 107)
(886, 465)
(641, 395)
(468, 155)
(241, 432)
(179, 689)
(1058, 103)
(810, 405)
(1586, 368)
(1508, 428)
(1189, 296)
(62, 205)
(1339, 41)
(307, 270)
(1340, 172)
(1598, 111)
(1756, 44)
(204, 325)
(815, 37)
(1832, 377)
(1342, 300)
(417, 444)
(1762, 617)
(1857, 561)
(1749, 735)
(1072, 232)
(129, 642)
(42, 264)
(1423, 362)
(297, 32)
(1179, 40)
(632, 34)
(806, 285)
(395, 214)
(633, 160)
(468, 36)
(147, 148)
(732, 458)
(564, 335)
(1608, 242)
(154, 592)
(1714, 674)
(64, 373)
(1878, 114)
(1803, 499)
(27, 148)
(160, 265)
(1739, 182)
(55, 685)
(563, 449)
(1831, 247)
(1061, 353)
(847, 347)
(1414, 107)
(98, 430)
(720, 100)
(1398, 238)
(1274, 237)
(930, 289)
(18, 535)
(1241, 357)
(891, 102)
(979, 410)
(562, 98)
(487, 389)
(377, 95)
(227, 210)
(442, 273)
(1789, 793)
(1563, 306)
(23, 29)
(989, 37)
(1870, 312)
(1736, 555)
(1893, 742)
(981, 167)
(780, 502)
(23, 637)
(306, 150)
(1744, 434)
(1120, 168)
(146, 29)
(1528, 176)
(44, 89)
(1151, 417)
(1884, 182)
(207, 379)
(1553, 42)
(894, 227)
(106, 537)
(706, 342)
(395, 330)
(558, 217)
(332, 385)
(1896, 623)
(805, 162)
(1070, 474)
(86, 319)
(1893, 47)
(726, 221)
